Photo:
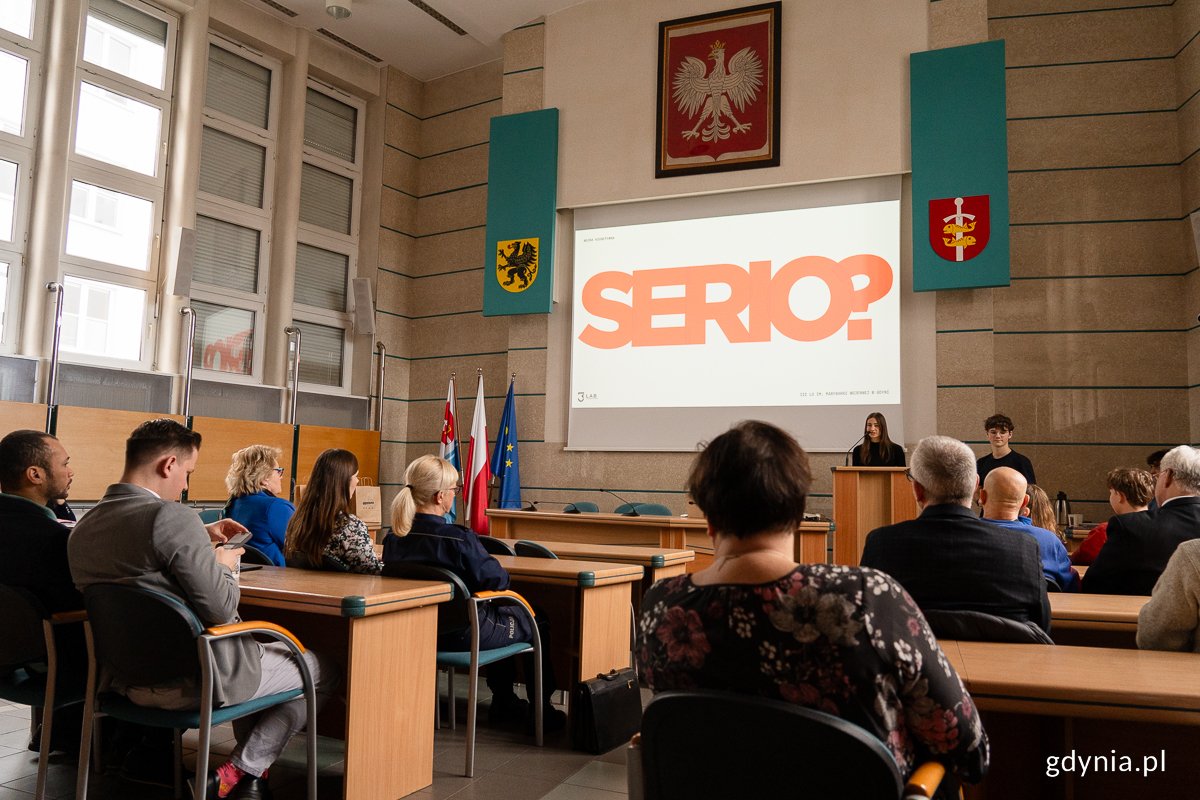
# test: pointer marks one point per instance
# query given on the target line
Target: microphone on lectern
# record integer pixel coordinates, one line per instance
(851, 450)
(632, 512)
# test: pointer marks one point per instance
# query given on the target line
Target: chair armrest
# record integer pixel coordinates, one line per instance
(925, 780)
(505, 594)
(66, 617)
(255, 626)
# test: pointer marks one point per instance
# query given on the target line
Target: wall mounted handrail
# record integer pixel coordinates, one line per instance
(292, 330)
(190, 313)
(381, 349)
(52, 378)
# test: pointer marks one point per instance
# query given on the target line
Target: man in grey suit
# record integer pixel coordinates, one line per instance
(138, 535)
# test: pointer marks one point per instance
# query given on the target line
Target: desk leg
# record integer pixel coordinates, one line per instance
(389, 704)
(604, 629)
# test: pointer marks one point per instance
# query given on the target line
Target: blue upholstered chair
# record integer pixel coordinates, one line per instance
(643, 509)
(139, 637)
(524, 547)
(581, 507)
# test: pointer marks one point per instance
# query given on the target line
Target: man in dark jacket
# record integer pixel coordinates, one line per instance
(948, 558)
(1140, 544)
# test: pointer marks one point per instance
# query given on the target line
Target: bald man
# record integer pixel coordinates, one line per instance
(1003, 498)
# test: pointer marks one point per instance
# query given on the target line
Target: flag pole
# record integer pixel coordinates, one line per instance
(457, 441)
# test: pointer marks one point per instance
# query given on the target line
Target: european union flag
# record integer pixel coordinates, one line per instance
(505, 464)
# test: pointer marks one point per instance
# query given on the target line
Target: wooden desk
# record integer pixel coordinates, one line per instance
(658, 562)
(1136, 702)
(587, 603)
(685, 533)
(1095, 620)
(384, 632)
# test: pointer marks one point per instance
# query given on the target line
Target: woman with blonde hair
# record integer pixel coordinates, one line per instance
(421, 534)
(1041, 510)
(255, 483)
(324, 533)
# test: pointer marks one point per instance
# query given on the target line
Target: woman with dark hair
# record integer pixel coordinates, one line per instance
(324, 531)
(845, 640)
(255, 481)
(877, 450)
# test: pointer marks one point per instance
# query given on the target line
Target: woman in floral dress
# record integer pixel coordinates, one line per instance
(848, 641)
(324, 531)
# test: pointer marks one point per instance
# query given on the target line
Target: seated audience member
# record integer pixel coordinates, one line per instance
(255, 483)
(1003, 497)
(324, 531)
(877, 449)
(1040, 511)
(421, 534)
(1129, 490)
(138, 535)
(947, 558)
(999, 429)
(35, 472)
(1170, 618)
(1140, 544)
(1153, 461)
(843, 640)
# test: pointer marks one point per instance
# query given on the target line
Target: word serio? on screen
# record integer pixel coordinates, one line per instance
(766, 296)
(1074, 763)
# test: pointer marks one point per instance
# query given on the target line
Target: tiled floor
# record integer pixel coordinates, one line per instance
(507, 765)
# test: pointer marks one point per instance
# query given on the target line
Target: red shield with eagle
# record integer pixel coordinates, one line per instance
(716, 98)
(959, 226)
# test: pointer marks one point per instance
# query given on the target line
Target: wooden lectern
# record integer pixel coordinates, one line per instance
(866, 498)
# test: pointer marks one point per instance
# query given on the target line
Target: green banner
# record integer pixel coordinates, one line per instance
(959, 168)
(518, 262)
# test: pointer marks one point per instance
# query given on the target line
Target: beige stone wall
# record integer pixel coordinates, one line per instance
(1088, 349)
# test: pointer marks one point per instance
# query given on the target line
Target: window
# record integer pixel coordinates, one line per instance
(330, 187)
(19, 77)
(118, 160)
(233, 212)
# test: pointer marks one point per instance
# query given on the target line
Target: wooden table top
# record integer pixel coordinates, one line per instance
(588, 518)
(647, 556)
(339, 594)
(567, 572)
(1149, 685)
(1108, 608)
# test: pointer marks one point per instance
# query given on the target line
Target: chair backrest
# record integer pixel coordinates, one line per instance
(210, 515)
(644, 509)
(706, 744)
(582, 506)
(976, 626)
(497, 547)
(142, 637)
(22, 637)
(1052, 585)
(253, 555)
(454, 615)
(524, 547)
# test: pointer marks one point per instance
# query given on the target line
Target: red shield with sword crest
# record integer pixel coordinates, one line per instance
(959, 226)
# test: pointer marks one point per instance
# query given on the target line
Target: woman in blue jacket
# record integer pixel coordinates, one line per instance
(255, 481)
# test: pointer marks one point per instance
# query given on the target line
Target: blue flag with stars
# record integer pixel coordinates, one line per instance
(505, 465)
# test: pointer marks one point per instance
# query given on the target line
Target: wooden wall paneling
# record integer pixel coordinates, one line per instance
(223, 438)
(95, 439)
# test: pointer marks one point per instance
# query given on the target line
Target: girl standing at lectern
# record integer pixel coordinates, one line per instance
(877, 450)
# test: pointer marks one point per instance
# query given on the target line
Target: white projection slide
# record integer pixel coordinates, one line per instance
(786, 308)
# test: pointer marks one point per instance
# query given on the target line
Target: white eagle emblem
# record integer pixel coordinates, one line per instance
(711, 94)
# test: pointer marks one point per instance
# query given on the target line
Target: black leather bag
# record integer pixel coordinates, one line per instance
(606, 711)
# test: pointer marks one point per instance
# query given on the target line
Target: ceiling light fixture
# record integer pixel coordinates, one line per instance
(338, 9)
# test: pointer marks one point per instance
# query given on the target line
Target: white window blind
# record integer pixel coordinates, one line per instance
(224, 338)
(321, 277)
(238, 87)
(226, 255)
(326, 198)
(330, 126)
(321, 353)
(232, 168)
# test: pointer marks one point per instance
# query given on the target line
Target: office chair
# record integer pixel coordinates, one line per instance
(497, 547)
(976, 626)
(211, 515)
(524, 547)
(253, 555)
(26, 642)
(138, 637)
(460, 614)
(704, 744)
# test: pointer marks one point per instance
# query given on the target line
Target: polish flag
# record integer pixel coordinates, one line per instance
(479, 472)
